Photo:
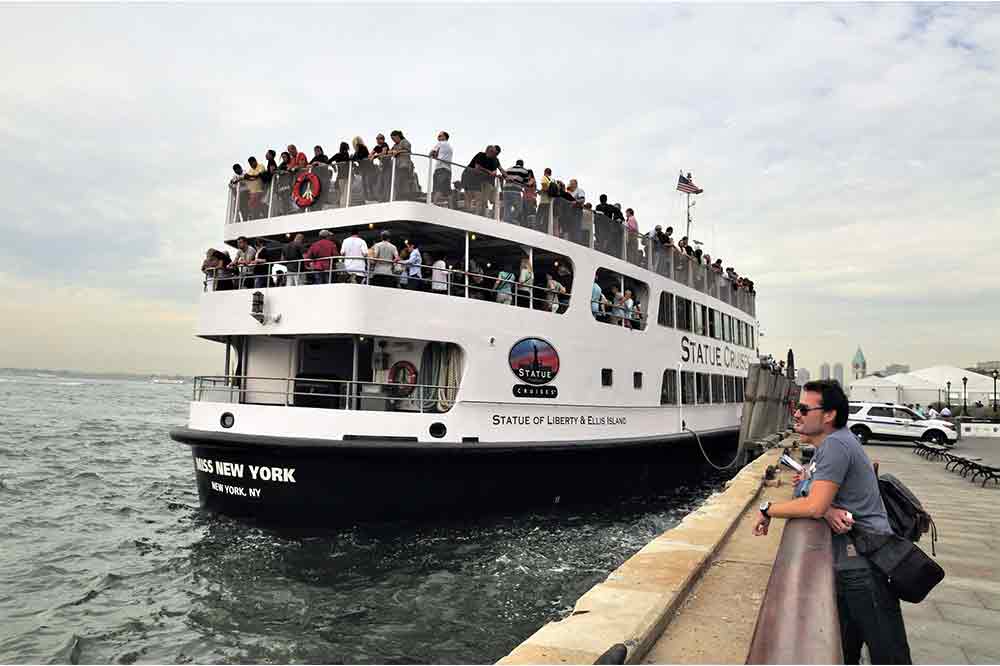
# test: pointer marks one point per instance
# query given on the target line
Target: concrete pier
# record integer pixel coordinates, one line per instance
(693, 594)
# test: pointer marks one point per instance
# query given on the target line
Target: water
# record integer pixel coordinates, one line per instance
(107, 557)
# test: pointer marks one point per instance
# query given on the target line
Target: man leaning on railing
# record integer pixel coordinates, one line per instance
(845, 492)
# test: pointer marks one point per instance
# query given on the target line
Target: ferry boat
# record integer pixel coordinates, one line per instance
(347, 397)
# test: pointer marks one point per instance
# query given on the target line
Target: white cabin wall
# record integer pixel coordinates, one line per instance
(267, 357)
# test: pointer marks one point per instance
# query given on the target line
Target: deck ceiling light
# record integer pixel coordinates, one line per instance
(371, 225)
(472, 237)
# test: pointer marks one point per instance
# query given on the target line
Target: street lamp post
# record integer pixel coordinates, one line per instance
(965, 396)
(948, 396)
(996, 373)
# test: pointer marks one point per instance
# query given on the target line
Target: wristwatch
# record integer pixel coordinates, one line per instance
(764, 508)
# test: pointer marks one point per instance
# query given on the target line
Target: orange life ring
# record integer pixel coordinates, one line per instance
(307, 198)
(404, 375)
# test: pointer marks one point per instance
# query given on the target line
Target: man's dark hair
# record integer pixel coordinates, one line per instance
(397, 133)
(832, 398)
(385, 235)
(252, 160)
(237, 168)
(241, 238)
(603, 198)
(447, 137)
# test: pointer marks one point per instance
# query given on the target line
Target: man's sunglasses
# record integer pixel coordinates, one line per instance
(804, 409)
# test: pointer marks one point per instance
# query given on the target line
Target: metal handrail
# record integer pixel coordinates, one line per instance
(516, 286)
(236, 384)
(798, 621)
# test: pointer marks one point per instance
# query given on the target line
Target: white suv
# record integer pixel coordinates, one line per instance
(888, 421)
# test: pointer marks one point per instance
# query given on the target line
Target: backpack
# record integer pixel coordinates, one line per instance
(553, 190)
(906, 514)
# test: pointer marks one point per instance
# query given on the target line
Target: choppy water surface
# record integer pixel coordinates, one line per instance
(106, 556)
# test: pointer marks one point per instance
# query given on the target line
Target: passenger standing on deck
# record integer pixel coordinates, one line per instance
(255, 186)
(439, 276)
(319, 157)
(382, 175)
(245, 254)
(293, 253)
(845, 492)
(442, 168)
(598, 301)
(555, 290)
(545, 200)
(504, 286)
(406, 177)
(321, 253)
(513, 193)
(479, 180)
(297, 160)
(525, 284)
(355, 251)
(412, 268)
(384, 257)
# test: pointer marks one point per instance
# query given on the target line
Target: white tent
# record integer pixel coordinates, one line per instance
(875, 389)
(979, 387)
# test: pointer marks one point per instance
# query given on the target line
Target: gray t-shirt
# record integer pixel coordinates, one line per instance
(842, 459)
(387, 252)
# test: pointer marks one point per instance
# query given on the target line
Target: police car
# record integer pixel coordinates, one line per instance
(889, 421)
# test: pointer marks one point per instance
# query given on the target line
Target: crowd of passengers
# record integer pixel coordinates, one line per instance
(524, 199)
(258, 264)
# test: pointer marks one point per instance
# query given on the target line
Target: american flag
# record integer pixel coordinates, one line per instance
(685, 184)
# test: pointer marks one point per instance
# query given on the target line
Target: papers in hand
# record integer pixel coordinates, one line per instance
(788, 461)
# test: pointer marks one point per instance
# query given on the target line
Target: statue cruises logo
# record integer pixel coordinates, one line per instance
(535, 362)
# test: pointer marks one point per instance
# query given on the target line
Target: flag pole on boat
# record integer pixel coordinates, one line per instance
(686, 185)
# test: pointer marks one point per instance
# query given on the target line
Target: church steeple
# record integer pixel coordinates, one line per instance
(859, 365)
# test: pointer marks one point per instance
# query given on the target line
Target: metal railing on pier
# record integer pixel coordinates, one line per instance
(798, 621)
(381, 179)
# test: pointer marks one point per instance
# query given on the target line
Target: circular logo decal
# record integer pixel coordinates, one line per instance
(534, 361)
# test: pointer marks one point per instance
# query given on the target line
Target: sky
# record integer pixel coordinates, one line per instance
(850, 154)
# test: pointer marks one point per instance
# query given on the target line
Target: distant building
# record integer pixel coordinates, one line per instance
(986, 367)
(824, 371)
(838, 373)
(895, 369)
(801, 376)
(859, 365)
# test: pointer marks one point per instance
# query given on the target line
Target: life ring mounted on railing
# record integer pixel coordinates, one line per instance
(404, 375)
(306, 197)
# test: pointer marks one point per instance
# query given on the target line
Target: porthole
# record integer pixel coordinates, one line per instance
(227, 420)
(438, 430)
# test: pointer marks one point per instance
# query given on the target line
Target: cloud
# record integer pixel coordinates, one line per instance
(848, 152)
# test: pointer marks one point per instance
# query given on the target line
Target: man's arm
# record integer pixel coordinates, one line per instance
(814, 505)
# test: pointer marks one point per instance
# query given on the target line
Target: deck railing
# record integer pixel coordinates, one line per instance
(421, 178)
(306, 391)
(362, 270)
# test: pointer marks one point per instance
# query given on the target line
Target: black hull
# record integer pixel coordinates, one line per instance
(307, 484)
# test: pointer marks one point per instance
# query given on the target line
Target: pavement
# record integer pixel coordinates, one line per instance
(715, 623)
(959, 622)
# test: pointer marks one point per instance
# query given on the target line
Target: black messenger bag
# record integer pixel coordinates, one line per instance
(911, 573)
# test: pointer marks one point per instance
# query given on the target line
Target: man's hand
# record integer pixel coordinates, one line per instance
(840, 521)
(760, 529)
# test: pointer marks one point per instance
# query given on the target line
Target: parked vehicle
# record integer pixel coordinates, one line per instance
(893, 422)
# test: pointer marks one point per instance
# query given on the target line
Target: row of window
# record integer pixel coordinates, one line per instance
(696, 388)
(686, 315)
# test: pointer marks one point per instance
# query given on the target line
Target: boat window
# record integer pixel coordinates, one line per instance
(683, 314)
(687, 387)
(665, 315)
(718, 395)
(739, 389)
(739, 332)
(619, 300)
(699, 319)
(702, 384)
(637, 380)
(732, 331)
(713, 327)
(605, 376)
(730, 388)
(725, 328)
(668, 390)
(751, 338)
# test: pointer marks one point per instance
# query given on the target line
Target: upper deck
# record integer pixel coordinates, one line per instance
(421, 179)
